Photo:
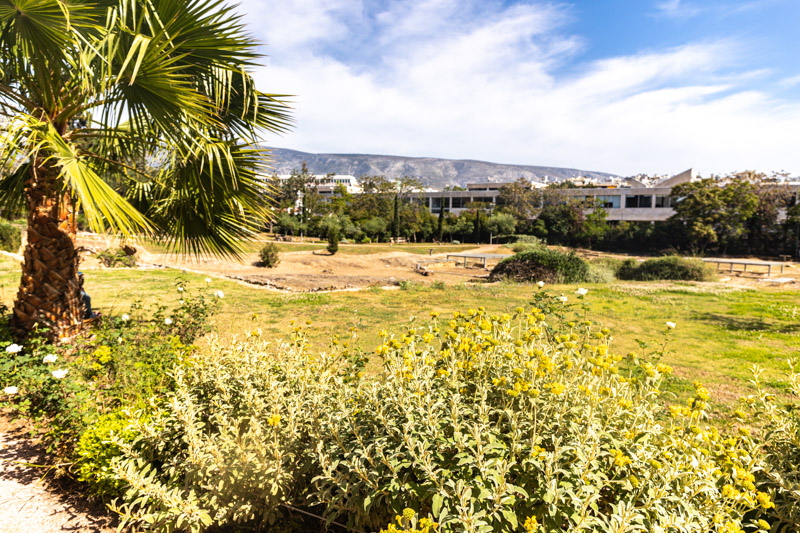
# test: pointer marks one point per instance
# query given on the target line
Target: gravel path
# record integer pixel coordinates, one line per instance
(31, 505)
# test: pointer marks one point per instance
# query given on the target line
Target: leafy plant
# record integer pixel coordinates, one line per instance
(665, 268)
(116, 257)
(269, 255)
(10, 237)
(486, 421)
(333, 240)
(542, 264)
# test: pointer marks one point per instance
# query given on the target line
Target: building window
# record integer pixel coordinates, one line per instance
(639, 200)
(608, 201)
(457, 202)
(663, 200)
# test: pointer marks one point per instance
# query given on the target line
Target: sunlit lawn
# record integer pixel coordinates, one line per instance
(720, 332)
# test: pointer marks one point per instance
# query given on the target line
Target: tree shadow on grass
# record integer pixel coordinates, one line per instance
(734, 323)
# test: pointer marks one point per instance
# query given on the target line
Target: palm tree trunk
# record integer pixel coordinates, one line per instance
(49, 291)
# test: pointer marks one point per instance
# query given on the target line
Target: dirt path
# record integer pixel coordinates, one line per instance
(30, 505)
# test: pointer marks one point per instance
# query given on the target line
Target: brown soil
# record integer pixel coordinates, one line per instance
(317, 270)
(31, 499)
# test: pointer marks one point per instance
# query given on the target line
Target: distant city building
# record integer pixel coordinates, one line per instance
(326, 184)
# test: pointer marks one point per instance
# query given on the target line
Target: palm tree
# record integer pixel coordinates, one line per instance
(95, 92)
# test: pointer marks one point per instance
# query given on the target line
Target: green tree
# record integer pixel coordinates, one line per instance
(375, 227)
(500, 224)
(440, 221)
(87, 89)
(563, 223)
(714, 212)
(519, 199)
(594, 226)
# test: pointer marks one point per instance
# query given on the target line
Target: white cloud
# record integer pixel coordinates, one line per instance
(477, 80)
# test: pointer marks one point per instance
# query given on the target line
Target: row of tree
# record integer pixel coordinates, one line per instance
(746, 213)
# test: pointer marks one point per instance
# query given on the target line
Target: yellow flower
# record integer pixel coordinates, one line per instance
(274, 420)
(531, 524)
(764, 501)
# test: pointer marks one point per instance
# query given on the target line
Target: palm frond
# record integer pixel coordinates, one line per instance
(104, 208)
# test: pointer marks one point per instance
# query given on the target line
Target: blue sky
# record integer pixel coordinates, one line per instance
(623, 86)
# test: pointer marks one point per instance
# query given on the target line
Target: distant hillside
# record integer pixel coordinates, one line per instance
(436, 173)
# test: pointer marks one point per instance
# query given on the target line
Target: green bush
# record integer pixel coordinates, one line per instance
(117, 257)
(779, 424)
(96, 449)
(333, 240)
(520, 247)
(542, 264)
(10, 237)
(232, 443)
(480, 422)
(599, 273)
(665, 268)
(269, 255)
(81, 386)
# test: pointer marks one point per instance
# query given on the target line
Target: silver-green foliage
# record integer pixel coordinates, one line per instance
(481, 422)
(484, 421)
(231, 444)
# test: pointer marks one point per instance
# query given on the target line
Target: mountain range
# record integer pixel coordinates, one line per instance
(433, 172)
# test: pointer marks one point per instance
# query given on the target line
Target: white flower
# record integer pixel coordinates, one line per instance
(180, 302)
(582, 291)
(180, 289)
(58, 374)
(52, 358)
(119, 340)
(13, 348)
(562, 299)
(125, 317)
(671, 325)
(219, 294)
(540, 284)
(168, 321)
(11, 390)
(208, 280)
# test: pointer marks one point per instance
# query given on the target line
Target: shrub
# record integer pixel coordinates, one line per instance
(269, 255)
(117, 257)
(480, 423)
(542, 264)
(528, 239)
(665, 268)
(599, 273)
(520, 247)
(79, 387)
(10, 237)
(482, 426)
(96, 449)
(778, 476)
(232, 442)
(333, 240)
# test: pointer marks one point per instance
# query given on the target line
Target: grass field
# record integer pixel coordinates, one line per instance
(721, 332)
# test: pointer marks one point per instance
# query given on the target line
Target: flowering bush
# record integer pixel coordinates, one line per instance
(67, 388)
(485, 421)
(479, 423)
(779, 475)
